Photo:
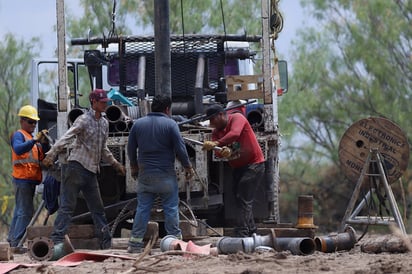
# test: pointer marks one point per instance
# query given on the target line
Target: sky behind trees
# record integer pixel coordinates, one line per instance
(27, 19)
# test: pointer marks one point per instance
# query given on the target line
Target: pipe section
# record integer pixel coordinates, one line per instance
(115, 114)
(170, 242)
(119, 121)
(43, 249)
(73, 114)
(255, 118)
(297, 246)
(40, 249)
(305, 212)
(340, 241)
(123, 126)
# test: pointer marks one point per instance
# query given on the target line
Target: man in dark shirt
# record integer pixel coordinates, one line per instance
(157, 139)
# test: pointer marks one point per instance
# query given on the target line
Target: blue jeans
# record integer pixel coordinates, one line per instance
(23, 211)
(148, 188)
(76, 178)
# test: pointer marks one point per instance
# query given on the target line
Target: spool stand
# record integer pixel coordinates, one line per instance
(373, 167)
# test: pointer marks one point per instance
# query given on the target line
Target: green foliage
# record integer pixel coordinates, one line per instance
(355, 63)
(15, 55)
(200, 17)
(186, 16)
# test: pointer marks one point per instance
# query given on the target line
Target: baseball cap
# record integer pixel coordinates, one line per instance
(99, 95)
(213, 110)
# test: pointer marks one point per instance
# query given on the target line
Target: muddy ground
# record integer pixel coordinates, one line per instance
(352, 261)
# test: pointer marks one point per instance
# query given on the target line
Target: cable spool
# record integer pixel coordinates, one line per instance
(374, 133)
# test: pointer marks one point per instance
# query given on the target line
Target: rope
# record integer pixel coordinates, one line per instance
(223, 17)
(276, 18)
(113, 32)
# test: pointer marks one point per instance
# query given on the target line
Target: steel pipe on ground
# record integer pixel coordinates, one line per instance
(297, 246)
(340, 241)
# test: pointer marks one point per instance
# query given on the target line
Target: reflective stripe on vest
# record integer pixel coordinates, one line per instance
(27, 165)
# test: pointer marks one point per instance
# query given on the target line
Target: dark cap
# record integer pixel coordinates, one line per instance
(99, 95)
(213, 110)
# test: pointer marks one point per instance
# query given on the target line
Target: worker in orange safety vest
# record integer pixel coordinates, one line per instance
(27, 153)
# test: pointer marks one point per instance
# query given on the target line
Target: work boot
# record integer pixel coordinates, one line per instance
(106, 239)
(241, 232)
(58, 251)
(252, 231)
(135, 247)
(106, 243)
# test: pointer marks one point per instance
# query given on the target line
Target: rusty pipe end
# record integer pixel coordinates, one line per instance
(41, 248)
(325, 244)
(305, 212)
(340, 241)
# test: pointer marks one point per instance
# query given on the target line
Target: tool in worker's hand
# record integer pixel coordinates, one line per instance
(43, 137)
(46, 134)
(200, 143)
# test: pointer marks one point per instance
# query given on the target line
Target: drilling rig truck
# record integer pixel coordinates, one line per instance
(204, 69)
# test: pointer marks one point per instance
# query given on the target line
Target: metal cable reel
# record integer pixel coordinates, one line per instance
(374, 133)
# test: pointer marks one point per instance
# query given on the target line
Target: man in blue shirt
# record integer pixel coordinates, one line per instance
(158, 141)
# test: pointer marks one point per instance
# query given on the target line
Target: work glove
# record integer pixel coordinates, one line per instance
(48, 161)
(189, 173)
(120, 169)
(41, 136)
(226, 152)
(134, 170)
(38, 136)
(209, 145)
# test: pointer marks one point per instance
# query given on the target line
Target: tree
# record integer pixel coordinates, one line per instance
(15, 55)
(186, 17)
(354, 64)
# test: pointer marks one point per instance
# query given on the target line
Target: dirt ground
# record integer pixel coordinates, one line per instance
(352, 261)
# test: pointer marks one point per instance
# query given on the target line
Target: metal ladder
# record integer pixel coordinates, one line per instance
(351, 214)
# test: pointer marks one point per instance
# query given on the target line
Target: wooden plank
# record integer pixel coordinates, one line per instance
(93, 244)
(152, 230)
(5, 251)
(238, 87)
(74, 231)
(243, 95)
(188, 230)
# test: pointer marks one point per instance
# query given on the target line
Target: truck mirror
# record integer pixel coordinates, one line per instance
(283, 75)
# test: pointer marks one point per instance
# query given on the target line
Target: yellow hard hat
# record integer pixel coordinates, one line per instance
(28, 111)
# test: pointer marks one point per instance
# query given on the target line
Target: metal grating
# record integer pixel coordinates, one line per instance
(118, 152)
(220, 60)
(184, 59)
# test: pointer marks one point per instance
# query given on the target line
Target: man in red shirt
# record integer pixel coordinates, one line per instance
(245, 158)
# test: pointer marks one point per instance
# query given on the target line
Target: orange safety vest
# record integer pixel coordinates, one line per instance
(27, 165)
